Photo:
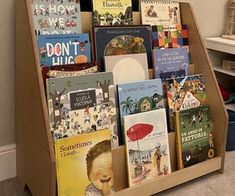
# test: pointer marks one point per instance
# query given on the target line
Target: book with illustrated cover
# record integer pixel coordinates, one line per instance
(84, 164)
(139, 97)
(106, 12)
(170, 63)
(56, 17)
(174, 36)
(184, 93)
(119, 40)
(147, 146)
(159, 12)
(120, 65)
(64, 49)
(82, 104)
(194, 130)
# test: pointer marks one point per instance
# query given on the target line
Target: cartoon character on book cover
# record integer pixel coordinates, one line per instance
(82, 104)
(195, 131)
(56, 17)
(147, 146)
(84, 164)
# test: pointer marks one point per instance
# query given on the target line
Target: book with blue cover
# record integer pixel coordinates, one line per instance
(56, 17)
(119, 40)
(170, 63)
(139, 97)
(64, 49)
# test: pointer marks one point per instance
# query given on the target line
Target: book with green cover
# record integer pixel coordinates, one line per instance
(194, 133)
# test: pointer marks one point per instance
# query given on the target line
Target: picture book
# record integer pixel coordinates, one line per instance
(84, 164)
(56, 17)
(82, 104)
(159, 12)
(134, 64)
(64, 49)
(170, 63)
(174, 36)
(147, 146)
(139, 97)
(194, 129)
(107, 12)
(119, 40)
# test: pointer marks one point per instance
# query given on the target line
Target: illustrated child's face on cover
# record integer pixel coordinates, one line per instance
(101, 174)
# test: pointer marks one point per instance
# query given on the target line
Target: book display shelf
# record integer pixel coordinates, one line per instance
(35, 154)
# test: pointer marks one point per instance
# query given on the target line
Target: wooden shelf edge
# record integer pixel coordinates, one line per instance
(173, 179)
(223, 70)
(230, 107)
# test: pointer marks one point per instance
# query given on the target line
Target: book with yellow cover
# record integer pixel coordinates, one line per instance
(84, 164)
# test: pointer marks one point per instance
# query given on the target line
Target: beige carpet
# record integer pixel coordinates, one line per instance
(214, 184)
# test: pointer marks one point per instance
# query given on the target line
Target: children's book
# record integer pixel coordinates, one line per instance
(56, 17)
(106, 12)
(119, 40)
(84, 164)
(82, 104)
(147, 146)
(194, 130)
(139, 97)
(128, 67)
(170, 63)
(159, 12)
(64, 49)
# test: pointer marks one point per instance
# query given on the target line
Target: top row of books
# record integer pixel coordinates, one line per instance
(63, 16)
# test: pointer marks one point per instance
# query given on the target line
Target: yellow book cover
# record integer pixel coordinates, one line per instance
(84, 164)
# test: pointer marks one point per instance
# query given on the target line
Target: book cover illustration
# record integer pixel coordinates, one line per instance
(159, 13)
(64, 49)
(117, 40)
(170, 63)
(119, 65)
(194, 129)
(107, 12)
(84, 164)
(175, 36)
(82, 104)
(56, 17)
(147, 146)
(139, 97)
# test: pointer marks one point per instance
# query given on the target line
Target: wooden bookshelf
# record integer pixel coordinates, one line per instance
(35, 153)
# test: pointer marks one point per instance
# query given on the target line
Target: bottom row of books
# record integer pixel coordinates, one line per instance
(84, 162)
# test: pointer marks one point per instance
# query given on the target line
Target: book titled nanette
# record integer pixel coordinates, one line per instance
(194, 130)
(82, 104)
(170, 63)
(108, 12)
(139, 97)
(159, 12)
(84, 164)
(147, 146)
(119, 40)
(64, 49)
(56, 17)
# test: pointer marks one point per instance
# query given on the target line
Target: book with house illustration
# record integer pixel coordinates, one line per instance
(147, 146)
(64, 49)
(84, 164)
(160, 12)
(56, 17)
(112, 13)
(82, 104)
(119, 40)
(170, 63)
(139, 97)
(194, 130)
(120, 65)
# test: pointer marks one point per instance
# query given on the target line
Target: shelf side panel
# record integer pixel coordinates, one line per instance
(200, 58)
(35, 157)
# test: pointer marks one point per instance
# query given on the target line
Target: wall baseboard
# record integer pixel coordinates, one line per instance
(7, 162)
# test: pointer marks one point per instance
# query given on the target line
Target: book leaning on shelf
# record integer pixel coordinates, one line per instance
(194, 136)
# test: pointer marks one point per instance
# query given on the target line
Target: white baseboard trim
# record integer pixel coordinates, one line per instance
(7, 162)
